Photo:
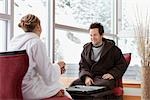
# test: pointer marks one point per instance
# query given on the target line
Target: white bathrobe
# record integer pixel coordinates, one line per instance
(42, 78)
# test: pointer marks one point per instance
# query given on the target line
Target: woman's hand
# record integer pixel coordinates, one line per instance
(62, 66)
(60, 93)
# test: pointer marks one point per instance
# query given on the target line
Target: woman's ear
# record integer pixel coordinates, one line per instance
(38, 29)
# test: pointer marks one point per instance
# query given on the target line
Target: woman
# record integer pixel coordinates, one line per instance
(42, 79)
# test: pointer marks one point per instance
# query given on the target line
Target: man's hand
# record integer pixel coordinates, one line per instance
(88, 81)
(107, 76)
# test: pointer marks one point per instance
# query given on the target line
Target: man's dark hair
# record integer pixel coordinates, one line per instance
(97, 25)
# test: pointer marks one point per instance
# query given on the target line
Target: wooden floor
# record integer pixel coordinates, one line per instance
(131, 98)
(132, 93)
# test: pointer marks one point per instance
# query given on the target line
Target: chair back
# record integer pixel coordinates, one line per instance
(13, 67)
(118, 90)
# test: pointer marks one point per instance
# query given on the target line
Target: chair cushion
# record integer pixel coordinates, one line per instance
(118, 91)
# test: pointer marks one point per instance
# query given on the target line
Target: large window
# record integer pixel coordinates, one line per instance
(117, 16)
(2, 7)
(36, 7)
(128, 45)
(72, 20)
(65, 27)
(6, 20)
(81, 13)
(2, 36)
(130, 11)
(5, 7)
(68, 45)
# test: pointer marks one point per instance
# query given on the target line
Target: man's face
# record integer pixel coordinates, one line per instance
(96, 38)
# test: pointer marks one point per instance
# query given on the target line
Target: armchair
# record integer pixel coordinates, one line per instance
(118, 91)
(115, 94)
(13, 66)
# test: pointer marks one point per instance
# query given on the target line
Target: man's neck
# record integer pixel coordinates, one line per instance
(98, 44)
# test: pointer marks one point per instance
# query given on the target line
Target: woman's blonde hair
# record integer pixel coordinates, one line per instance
(29, 22)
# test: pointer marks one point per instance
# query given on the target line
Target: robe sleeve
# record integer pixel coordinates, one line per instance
(48, 71)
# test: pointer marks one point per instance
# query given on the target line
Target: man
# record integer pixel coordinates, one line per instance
(102, 62)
